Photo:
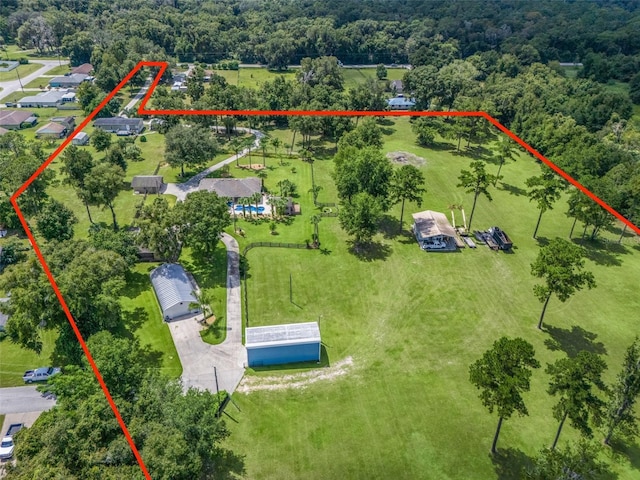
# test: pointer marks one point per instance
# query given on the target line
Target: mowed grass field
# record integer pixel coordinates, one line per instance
(412, 322)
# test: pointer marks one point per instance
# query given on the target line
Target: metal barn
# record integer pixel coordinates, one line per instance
(174, 290)
(278, 344)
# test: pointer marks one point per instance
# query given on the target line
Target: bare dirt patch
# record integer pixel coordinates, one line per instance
(296, 380)
(406, 158)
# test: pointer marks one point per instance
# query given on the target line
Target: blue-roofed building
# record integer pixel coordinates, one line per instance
(279, 344)
(401, 103)
(174, 291)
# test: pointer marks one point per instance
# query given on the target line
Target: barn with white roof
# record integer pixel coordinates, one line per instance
(278, 344)
(174, 291)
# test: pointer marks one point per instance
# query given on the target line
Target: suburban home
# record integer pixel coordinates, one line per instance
(53, 98)
(120, 125)
(17, 119)
(69, 122)
(174, 291)
(80, 138)
(279, 344)
(84, 69)
(52, 130)
(433, 231)
(147, 183)
(73, 80)
(396, 86)
(232, 188)
(400, 102)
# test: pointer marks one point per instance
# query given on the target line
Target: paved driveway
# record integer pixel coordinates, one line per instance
(201, 362)
(14, 85)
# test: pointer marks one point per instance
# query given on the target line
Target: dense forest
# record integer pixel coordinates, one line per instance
(601, 34)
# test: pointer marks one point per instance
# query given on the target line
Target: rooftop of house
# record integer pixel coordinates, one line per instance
(118, 121)
(85, 68)
(51, 96)
(76, 78)
(232, 187)
(51, 128)
(14, 117)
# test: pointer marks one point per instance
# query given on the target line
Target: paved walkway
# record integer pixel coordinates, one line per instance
(181, 190)
(201, 362)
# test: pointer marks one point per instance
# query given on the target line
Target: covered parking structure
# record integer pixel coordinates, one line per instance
(279, 344)
(174, 291)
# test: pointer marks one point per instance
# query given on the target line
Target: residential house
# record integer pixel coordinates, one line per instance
(52, 130)
(17, 119)
(400, 102)
(69, 122)
(396, 86)
(120, 125)
(84, 69)
(52, 98)
(73, 80)
(433, 231)
(80, 138)
(232, 188)
(147, 183)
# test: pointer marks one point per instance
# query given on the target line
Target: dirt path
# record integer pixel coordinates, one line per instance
(296, 380)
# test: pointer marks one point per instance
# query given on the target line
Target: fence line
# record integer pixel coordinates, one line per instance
(274, 244)
(325, 204)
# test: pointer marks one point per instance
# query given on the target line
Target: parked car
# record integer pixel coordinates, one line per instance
(40, 374)
(7, 446)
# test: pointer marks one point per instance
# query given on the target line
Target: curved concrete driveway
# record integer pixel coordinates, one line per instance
(181, 190)
(201, 362)
(13, 86)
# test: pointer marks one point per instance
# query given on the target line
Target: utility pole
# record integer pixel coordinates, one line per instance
(19, 80)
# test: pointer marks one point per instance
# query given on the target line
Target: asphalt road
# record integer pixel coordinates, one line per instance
(13, 86)
(23, 399)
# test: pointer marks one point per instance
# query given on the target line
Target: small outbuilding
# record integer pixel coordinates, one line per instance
(146, 183)
(279, 344)
(80, 138)
(433, 231)
(174, 291)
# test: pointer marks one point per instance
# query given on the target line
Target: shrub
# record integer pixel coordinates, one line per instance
(143, 138)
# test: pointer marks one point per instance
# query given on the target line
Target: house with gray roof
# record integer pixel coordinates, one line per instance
(174, 291)
(52, 98)
(80, 138)
(16, 119)
(120, 125)
(396, 86)
(147, 183)
(401, 102)
(233, 188)
(52, 130)
(73, 80)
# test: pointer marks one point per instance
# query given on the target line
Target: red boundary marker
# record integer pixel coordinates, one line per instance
(143, 111)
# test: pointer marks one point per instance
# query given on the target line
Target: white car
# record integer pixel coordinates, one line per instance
(6, 447)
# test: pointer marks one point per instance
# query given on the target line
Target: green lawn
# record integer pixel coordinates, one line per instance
(22, 70)
(413, 322)
(142, 317)
(15, 360)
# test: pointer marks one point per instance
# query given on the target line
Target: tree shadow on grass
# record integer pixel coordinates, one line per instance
(573, 341)
(510, 463)
(625, 451)
(209, 270)
(134, 319)
(389, 226)
(370, 251)
(228, 465)
(512, 189)
(601, 252)
(441, 146)
(137, 283)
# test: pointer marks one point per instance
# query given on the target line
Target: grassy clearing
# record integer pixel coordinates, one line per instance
(413, 322)
(22, 70)
(15, 360)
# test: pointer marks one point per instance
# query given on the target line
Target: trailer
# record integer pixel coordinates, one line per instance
(501, 237)
(469, 242)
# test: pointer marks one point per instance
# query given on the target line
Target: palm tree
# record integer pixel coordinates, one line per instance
(244, 201)
(314, 191)
(264, 143)
(236, 145)
(262, 174)
(202, 303)
(276, 144)
(229, 125)
(256, 197)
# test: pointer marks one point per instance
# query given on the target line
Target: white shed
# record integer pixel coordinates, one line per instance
(174, 290)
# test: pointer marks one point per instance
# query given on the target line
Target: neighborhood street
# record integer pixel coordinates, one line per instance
(14, 85)
(23, 399)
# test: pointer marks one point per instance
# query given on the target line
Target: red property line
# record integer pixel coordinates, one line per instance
(143, 111)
